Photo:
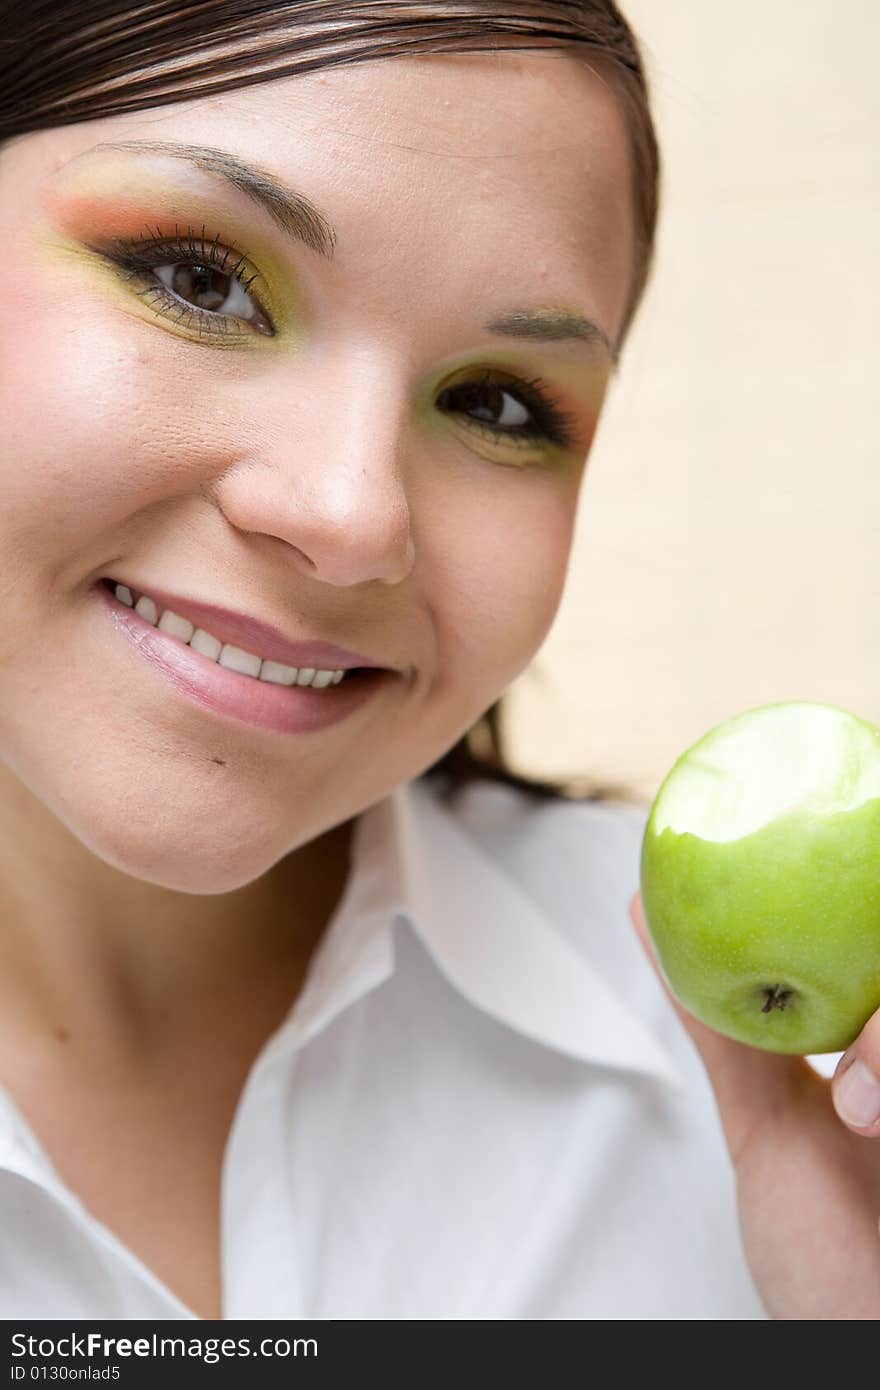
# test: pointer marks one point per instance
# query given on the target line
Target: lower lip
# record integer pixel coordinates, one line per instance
(283, 709)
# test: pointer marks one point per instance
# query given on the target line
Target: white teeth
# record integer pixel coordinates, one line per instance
(147, 609)
(234, 658)
(202, 641)
(277, 673)
(177, 626)
(238, 660)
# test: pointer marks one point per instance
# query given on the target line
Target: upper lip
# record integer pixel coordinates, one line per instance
(253, 635)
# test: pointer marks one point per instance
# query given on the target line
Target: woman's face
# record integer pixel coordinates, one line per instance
(304, 437)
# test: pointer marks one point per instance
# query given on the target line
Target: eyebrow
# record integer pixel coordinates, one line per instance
(292, 212)
(552, 326)
(300, 219)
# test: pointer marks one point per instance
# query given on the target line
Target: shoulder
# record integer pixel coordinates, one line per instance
(559, 841)
(578, 860)
(578, 864)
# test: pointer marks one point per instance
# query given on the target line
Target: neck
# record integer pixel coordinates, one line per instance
(128, 969)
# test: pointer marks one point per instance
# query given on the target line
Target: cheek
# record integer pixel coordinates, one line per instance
(503, 576)
(96, 425)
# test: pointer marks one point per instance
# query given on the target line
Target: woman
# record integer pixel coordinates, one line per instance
(304, 1010)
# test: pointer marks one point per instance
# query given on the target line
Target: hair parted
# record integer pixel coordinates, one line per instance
(66, 61)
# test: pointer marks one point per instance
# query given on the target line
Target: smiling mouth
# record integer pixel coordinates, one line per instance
(232, 656)
(220, 677)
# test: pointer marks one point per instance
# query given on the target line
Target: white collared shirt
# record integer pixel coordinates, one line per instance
(480, 1106)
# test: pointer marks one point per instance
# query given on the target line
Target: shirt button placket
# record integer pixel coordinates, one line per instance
(260, 1273)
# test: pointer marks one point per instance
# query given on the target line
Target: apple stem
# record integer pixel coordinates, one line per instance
(776, 998)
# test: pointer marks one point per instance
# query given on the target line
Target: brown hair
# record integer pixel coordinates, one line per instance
(63, 61)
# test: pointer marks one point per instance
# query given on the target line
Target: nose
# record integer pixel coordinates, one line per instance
(327, 483)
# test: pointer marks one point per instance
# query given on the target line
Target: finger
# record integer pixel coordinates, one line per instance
(750, 1084)
(855, 1087)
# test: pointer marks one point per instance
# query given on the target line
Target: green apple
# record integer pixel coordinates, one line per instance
(760, 877)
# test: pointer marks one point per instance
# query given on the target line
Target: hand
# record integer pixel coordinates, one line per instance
(808, 1177)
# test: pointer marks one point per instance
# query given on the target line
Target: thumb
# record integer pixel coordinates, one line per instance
(751, 1086)
(855, 1088)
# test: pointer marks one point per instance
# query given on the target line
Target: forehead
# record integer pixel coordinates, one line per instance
(486, 173)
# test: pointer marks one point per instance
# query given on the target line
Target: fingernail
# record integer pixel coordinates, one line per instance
(857, 1095)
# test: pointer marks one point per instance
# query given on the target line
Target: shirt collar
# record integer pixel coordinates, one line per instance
(497, 947)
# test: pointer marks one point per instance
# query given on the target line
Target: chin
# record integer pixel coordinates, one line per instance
(204, 859)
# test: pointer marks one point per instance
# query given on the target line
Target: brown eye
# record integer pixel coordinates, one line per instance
(509, 410)
(206, 288)
(194, 281)
(202, 285)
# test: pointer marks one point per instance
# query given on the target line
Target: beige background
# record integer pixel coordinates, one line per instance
(726, 552)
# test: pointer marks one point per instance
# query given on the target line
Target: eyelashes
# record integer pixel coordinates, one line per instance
(549, 422)
(203, 261)
(140, 258)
